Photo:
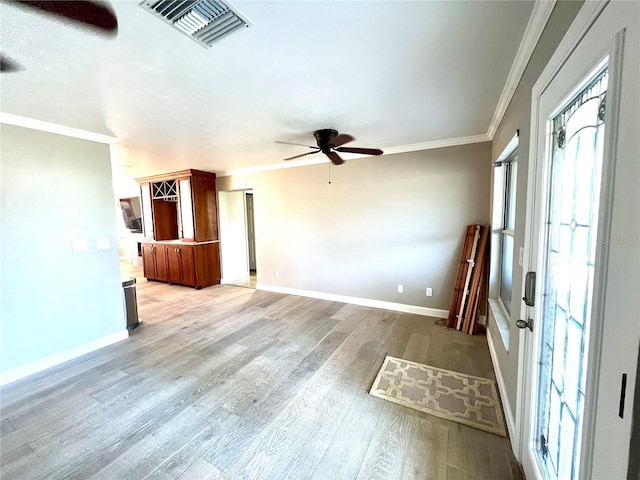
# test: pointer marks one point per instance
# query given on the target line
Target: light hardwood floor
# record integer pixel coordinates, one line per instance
(229, 382)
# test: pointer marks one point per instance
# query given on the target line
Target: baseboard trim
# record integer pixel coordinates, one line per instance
(511, 423)
(28, 369)
(365, 302)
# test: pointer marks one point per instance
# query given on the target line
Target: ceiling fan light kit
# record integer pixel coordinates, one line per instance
(330, 142)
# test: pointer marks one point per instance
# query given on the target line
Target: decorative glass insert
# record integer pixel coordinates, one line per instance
(166, 190)
(576, 164)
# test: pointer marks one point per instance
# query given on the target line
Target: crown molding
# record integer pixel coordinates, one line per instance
(273, 166)
(447, 142)
(538, 20)
(25, 122)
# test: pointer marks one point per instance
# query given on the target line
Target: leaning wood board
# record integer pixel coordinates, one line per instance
(471, 270)
(467, 281)
(458, 289)
(476, 282)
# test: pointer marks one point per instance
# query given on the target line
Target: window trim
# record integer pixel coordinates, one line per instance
(498, 311)
(510, 164)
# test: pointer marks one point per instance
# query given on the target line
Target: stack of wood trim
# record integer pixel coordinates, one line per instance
(463, 313)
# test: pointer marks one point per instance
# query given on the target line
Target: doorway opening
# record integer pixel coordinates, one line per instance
(237, 238)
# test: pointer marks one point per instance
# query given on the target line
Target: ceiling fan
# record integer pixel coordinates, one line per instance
(330, 143)
(85, 13)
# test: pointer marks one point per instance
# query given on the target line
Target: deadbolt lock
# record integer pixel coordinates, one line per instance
(528, 324)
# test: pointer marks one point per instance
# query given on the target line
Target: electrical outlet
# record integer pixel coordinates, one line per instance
(103, 243)
(429, 292)
(277, 274)
(79, 246)
(400, 288)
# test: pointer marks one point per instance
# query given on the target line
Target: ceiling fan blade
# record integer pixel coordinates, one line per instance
(335, 158)
(364, 151)
(9, 66)
(301, 155)
(342, 139)
(91, 14)
(298, 144)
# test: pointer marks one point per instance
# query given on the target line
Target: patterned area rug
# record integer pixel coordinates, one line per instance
(465, 399)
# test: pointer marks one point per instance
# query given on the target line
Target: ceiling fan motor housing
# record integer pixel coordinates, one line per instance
(324, 137)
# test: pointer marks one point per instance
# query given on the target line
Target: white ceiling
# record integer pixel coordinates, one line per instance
(390, 73)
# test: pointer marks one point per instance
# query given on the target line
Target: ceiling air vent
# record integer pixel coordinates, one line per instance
(205, 21)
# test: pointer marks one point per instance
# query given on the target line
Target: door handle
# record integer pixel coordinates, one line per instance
(525, 324)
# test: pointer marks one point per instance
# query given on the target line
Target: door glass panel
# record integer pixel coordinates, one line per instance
(576, 160)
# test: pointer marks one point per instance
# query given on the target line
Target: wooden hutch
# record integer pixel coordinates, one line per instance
(180, 220)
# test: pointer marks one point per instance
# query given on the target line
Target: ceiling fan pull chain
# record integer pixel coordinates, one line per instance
(329, 173)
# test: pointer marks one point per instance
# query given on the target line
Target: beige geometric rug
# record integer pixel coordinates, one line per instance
(465, 399)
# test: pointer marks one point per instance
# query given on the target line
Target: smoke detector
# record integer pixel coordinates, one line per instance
(204, 21)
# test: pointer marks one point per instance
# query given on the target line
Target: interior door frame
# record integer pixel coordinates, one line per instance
(224, 242)
(535, 236)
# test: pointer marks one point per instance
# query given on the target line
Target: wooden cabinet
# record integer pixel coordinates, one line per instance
(180, 206)
(154, 262)
(181, 209)
(191, 264)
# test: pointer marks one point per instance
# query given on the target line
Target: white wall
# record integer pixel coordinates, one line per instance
(383, 221)
(55, 189)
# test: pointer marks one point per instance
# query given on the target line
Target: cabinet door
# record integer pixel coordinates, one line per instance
(148, 260)
(215, 263)
(205, 210)
(173, 262)
(160, 254)
(187, 264)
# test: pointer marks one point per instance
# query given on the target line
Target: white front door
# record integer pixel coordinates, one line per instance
(575, 115)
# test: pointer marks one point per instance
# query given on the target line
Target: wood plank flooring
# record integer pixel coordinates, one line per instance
(234, 383)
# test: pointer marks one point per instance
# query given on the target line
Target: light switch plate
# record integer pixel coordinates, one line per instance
(103, 243)
(79, 246)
